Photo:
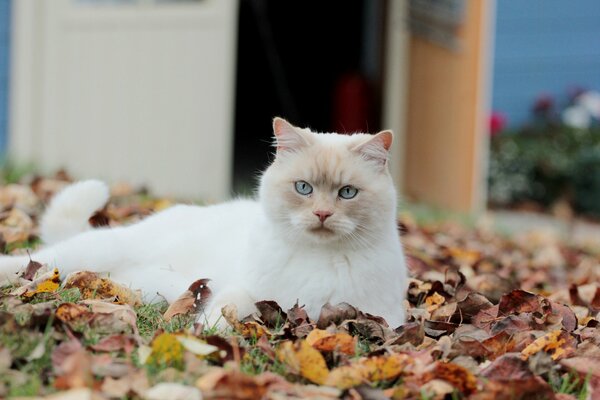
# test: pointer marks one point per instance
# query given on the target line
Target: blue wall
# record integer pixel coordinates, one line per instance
(4, 69)
(543, 46)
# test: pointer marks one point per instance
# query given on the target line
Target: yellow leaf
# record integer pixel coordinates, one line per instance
(550, 342)
(464, 255)
(315, 335)
(162, 204)
(287, 355)
(246, 329)
(302, 359)
(384, 367)
(368, 370)
(325, 341)
(166, 351)
(434, 301)
(49, 285)
(346, 377)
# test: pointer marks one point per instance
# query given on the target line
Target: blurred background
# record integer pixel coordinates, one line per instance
(493, 103)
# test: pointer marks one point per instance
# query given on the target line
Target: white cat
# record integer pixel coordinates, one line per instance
(323, 229)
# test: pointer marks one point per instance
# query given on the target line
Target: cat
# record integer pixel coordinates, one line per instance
(322, 229)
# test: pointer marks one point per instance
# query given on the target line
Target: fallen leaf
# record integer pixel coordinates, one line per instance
(304, 360)
(232, 384)
(167, 351)
(325, 341)
(337, 314)
(92, 286)
(99, 219)
(434, 301)
(196, 346)
(271, 314)
(116, 343)
(31, 269)
(192, 301)
(172, 391)
(558, 343)
(45, 283)
(120, 312)
(246, 329)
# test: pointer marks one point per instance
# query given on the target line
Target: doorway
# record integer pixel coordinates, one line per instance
(318, 64)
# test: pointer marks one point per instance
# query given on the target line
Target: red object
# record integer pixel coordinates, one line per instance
(543, 105)
(351, 104)
(497, 123)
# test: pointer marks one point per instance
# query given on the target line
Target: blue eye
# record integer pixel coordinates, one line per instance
(348, 192)
(303, 188)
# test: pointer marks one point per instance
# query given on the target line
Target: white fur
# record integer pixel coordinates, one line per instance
(69, 211)
(255, 250)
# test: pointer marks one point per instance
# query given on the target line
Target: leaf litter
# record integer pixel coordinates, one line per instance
(489, 317)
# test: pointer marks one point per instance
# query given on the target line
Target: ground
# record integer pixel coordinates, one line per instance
(491, 316)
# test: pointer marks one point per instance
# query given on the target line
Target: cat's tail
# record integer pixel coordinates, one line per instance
(69, 211)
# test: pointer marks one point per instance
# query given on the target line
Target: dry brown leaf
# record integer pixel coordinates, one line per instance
(246, 329)
(92, 286)
(232, 384)
(121, 312)
(192, 301)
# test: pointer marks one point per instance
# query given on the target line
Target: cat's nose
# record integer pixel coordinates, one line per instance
(323, 215)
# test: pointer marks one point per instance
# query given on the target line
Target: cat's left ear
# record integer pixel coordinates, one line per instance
(377, 148)
(288, 137)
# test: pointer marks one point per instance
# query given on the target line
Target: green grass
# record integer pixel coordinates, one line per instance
(255, 362)
(150, 319)
(27, 244)
(571, 383)
(13, 173)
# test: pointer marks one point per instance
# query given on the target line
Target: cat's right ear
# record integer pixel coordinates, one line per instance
(287, 136)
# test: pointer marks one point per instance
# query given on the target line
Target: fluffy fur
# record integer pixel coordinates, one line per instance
(273, 248)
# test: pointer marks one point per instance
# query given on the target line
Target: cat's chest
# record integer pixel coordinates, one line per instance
(311, 278)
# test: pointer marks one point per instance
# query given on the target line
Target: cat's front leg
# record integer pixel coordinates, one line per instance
(238, 296)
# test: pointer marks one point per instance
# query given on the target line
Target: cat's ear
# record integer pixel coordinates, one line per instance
(377, 147)
(288, 137)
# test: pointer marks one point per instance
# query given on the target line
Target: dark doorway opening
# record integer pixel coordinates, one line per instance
(315, 63)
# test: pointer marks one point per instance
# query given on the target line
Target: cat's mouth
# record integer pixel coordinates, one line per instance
(322, 230)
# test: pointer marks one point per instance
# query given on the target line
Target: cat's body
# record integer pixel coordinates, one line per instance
(287, 246)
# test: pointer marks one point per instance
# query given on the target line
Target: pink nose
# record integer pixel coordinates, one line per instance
(323, 215)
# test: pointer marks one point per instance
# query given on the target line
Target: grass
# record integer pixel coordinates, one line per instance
(255, 362)
(150, 319)
(30, 244)
(31, 367)
(571, 383)
(13, 173)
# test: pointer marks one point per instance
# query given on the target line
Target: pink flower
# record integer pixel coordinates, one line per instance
(497, 123)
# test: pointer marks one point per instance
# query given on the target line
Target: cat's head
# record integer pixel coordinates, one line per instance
(326, 187)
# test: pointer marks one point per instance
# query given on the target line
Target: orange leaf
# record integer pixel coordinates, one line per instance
(434, 301)
(325, 341)
(49, 284)
(384, 367)
(554, 342)
(92, 286)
